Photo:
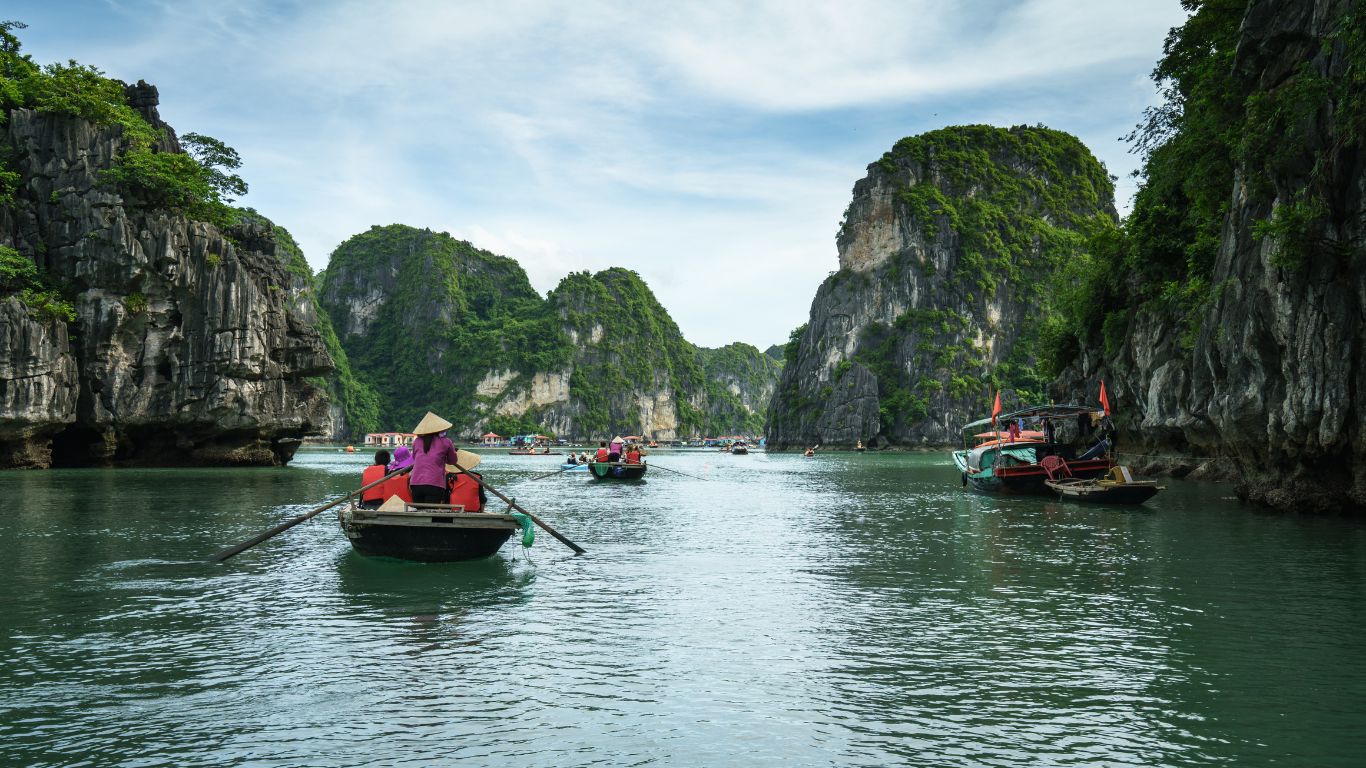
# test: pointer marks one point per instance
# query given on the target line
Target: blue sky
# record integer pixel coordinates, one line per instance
(710, 146)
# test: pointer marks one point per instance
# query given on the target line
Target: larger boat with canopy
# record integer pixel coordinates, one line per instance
(999, 459)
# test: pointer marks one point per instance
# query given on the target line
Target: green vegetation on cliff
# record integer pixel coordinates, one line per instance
(21, 277)
(1213, 120)
(629, 343)
(196, 185)
(1009, 222)
(448, 314)
(729, 373)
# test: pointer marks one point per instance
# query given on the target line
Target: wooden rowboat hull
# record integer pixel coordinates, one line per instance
(1093, 492)
(607, 471)
(433, 537)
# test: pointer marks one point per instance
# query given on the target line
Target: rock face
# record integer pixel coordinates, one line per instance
(945, 254)
(435, 323)
(37, 385)
(1274, 379)
(191, 344)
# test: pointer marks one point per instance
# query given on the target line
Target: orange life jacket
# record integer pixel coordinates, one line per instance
(602, 454)
(633, 457)
(369, 475)
(465, 491)
(397, 486)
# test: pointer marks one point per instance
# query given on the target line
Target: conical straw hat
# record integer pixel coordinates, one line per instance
(467, 460)
(431, 424)
(393, 504)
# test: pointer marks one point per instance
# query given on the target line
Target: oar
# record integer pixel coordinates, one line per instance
(676, 472)
(538, 521)
(238, 549)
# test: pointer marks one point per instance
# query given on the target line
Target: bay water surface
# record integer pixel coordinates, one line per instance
(851, 609)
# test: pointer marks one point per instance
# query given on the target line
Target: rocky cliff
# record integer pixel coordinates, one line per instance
(947, 255)
(435, 323)
(190, 342)
(1252, 349)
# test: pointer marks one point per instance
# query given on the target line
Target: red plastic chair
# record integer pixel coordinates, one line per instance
(1055, 467)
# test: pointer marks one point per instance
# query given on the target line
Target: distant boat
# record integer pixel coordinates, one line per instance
(602, 470)
(859, 447)
(572, 467)
(429, 533)
(739, 448)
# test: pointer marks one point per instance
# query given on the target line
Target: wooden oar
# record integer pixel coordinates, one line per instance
(514, 505)
(676, 472)
(237, 549)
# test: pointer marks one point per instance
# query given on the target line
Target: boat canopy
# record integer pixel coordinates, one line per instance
(1034, 412)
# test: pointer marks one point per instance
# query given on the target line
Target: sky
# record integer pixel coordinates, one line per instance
(712, 147)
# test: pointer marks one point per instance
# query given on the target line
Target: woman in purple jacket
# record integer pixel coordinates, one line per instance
(432, 451)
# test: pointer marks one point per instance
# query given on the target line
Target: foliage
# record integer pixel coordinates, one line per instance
(20, 277)
(1023, 206)
(638, 347)
(751, 371)
(216, 158)
(1215, 120)
(451, 314)
(794, 344)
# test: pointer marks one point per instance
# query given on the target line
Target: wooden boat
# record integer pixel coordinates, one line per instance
(602, 470)
(429, 533)
(1118, 487)
(1000, 463)
(739, 448)
(533, 453)
(859, 447)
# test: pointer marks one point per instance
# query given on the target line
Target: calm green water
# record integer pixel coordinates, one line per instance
(845, 610)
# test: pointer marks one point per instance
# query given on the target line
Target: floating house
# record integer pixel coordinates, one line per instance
(389, 439)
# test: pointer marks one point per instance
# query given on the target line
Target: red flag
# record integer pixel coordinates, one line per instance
(996, 409)
(1104, 401)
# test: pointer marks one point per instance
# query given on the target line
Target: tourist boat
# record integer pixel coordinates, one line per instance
(1001, 464)
(568, 467)
(429, 533)
(739, 448)
(1119, 487)
(859, 447)
(602, 470)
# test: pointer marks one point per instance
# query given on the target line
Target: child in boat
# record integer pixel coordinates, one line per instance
(373, 497)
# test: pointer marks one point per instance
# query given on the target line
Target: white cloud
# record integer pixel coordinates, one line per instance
(711, 145)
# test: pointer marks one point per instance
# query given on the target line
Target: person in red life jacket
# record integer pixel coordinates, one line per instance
(432, 451)
(464, 490)
(602, 451)
(373, 497)
(633, 454)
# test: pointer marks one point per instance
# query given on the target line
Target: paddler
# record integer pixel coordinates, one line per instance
(373, 497)
(432, 451)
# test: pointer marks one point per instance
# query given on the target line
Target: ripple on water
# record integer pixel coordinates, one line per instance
(847, 610)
